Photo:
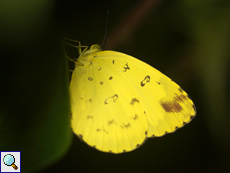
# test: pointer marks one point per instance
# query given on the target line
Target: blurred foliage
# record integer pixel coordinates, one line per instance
(187, 40)
(34, 101)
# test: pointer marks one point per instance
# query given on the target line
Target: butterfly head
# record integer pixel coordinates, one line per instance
(85, 59)
(93, 48)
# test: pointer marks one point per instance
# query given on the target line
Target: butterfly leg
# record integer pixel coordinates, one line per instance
(79, 47)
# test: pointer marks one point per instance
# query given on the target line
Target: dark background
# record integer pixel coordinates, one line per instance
(186, 40)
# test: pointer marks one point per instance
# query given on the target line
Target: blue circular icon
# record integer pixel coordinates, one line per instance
(8, 159)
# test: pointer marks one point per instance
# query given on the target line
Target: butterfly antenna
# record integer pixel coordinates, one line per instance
(106, 26)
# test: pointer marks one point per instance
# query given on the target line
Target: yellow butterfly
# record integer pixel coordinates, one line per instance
(118, 101)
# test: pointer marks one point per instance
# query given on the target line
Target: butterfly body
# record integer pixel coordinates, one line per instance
(118, 101)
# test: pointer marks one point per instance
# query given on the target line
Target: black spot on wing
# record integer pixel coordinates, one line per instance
(90, 78)
(111, 99)
(133, 101)
(80, 137)
(145, 80)
(90, 117)
(174, 105)
(170, 106)
(126, 67)
(113, 61)
(102, 130)
(101, 83)
(110, 122)
(191, 117)
(158, 82)
(181, 90)
(125, 126)
(135, 117)
(90, 100)
(111, 77)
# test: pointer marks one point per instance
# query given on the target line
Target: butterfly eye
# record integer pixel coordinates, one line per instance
(95, 46)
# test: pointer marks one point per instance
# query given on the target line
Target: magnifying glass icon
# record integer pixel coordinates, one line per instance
(9, 160)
